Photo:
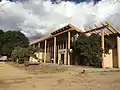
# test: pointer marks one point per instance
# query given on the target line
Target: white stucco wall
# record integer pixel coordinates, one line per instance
(108, 60)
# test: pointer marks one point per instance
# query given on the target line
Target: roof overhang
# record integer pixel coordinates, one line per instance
(70, 27)
(109, 29)
(58, 32)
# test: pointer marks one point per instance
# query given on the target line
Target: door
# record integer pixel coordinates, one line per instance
(62, 58)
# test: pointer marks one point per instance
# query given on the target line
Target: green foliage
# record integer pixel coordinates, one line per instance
(89, 50)
(108, 45)
(1, 40)
(10, 40)
(22, 54)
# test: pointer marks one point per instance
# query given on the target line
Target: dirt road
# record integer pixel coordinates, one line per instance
(12, 78)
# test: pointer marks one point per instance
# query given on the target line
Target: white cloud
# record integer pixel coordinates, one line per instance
(37, 17)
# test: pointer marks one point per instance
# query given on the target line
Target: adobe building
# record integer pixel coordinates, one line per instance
(57, 47)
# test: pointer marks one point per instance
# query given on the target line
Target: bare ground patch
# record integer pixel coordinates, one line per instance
(3, 84)
(53, 77)
(40, 69)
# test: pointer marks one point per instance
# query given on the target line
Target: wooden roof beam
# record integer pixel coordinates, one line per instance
(106, 33)
(96, 29)
(78, 30)
(61, 29)
(108, 28)
(53, 34)
(90, 29)
(112, 27)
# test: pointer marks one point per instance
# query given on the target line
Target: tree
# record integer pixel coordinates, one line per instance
(88, 48)
(23, 54)
(13, 39)
(1, 40)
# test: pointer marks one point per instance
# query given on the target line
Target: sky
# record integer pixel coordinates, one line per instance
(36, 18)
(77, 1)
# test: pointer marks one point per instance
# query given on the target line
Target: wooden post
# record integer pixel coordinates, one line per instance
(63, 44)
(34, 45)
(118, 51)
(45, 51)
(58, 45)
(102, 39)
(48, 48)
(69, 48)
(38, 45)
(66, 44)
(54, 50)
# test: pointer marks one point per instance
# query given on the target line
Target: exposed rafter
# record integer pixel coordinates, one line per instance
(60, 31)
(112, 27)
(95, 29)
(98, 26)
(70, 27)
(108, 28)
(107, 25)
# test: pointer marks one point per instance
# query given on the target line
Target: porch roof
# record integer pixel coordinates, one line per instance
(60, 31)
(71, 27)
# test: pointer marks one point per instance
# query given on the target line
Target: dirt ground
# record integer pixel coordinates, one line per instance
(12, 78)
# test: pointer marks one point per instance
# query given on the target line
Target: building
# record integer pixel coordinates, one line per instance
(56, 47)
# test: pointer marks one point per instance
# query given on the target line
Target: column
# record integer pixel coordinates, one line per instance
(102, 39)
(69, 48)
(118, 51)
(63, 45)
(48, 53)
(48, 48)
(66, 47)
(39, 51)
(34, 45)
(45, 51)
(54, 50)
(65, 56)
(66, 44)
(58, 45)
(38, 45)
(59, 55)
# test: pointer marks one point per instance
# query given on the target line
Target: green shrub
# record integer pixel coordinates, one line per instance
(88, 48)
(23, 54)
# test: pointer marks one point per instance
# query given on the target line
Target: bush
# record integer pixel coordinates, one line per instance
(23, 54)
(88, 48)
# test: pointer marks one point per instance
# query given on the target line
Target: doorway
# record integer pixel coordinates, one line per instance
(62, 58)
